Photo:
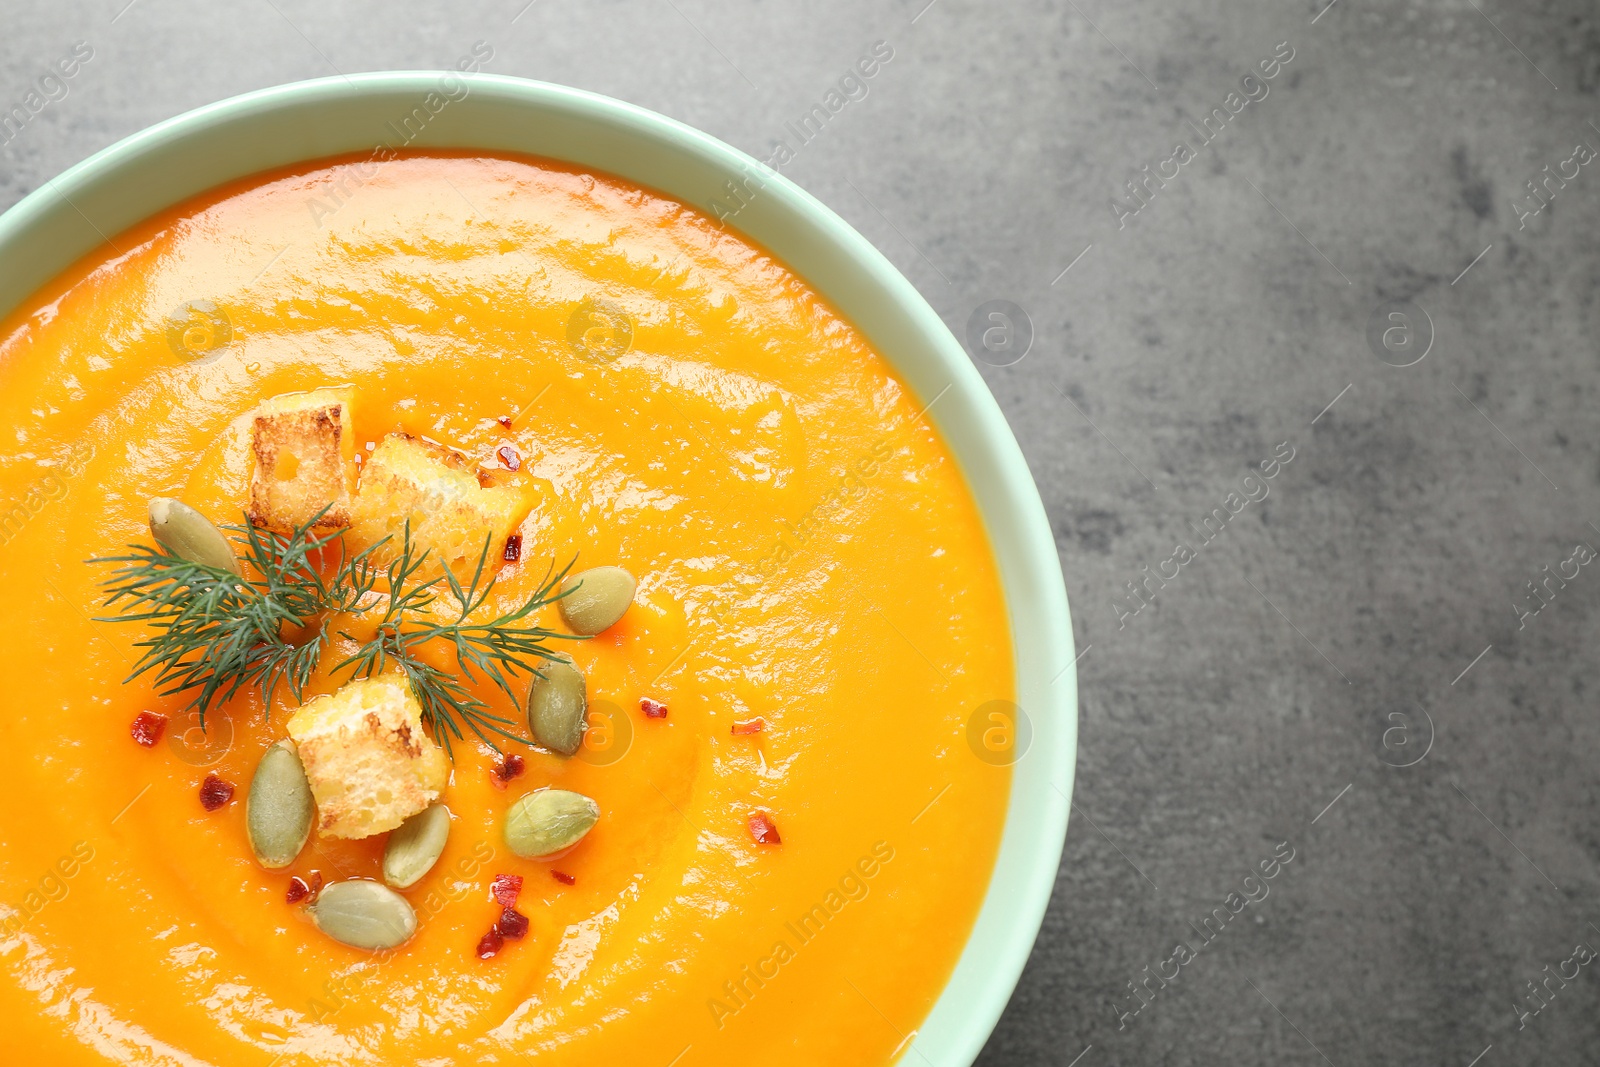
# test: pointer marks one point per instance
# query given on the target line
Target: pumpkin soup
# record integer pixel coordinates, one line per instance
(521, 618)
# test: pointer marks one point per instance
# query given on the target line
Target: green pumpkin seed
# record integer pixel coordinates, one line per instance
(279, 810)
(365, 915)
(547, 821)
(598, 598)
(558, 706)
(186, 533)
(415, 847)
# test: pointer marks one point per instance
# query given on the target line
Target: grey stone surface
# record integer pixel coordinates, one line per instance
(1262, 682)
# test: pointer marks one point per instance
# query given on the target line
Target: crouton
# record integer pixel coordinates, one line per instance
(303, 450)
(370, 764)
(436, 490)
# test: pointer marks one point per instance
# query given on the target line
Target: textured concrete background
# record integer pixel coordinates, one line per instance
(1371, 606)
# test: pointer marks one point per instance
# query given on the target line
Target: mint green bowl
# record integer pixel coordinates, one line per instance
(150, 171)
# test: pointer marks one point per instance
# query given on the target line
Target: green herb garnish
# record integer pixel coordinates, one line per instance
(499, 648)
(218, 632)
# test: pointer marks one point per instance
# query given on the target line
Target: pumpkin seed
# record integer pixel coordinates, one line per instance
(364, 914)
(598, 598)
(547, 821)
(186, 533)
(558, 706)
(415, 847)
(279, 810)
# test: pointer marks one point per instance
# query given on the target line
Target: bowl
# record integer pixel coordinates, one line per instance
(76, 212)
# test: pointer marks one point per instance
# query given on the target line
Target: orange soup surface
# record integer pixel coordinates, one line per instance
(679, 404)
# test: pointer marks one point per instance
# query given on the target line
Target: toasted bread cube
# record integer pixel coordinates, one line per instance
(370, 764)
(303, 448)
(436, 490)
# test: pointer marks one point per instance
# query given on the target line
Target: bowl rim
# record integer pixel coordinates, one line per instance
(43, 233)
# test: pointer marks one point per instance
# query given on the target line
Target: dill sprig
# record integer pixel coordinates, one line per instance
(218, 632)
(498, 649)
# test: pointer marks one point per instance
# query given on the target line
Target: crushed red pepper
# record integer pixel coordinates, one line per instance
(513, 550)
(215, 792)
(505, 889)
(749, 726)
(563, 877)
(503, 420)
(763, 829)
(304, 888)
(512, 924)
(653, 709)
(510, 457)
(491, 943)
(507, 769)
(147, 728)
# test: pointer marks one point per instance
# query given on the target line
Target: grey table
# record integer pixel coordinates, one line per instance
(1378, 259)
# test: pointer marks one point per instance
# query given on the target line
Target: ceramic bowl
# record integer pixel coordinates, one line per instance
(76, 212)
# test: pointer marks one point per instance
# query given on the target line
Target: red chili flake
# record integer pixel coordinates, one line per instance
(505, 888)
(148, 727)
(303, 888)
(763, 829)
(215, 792)
(510, 457)
(513, 550)
(504, 420)
(653, 709)
(749, 726)
(563, 877)
(491, 944)
(513, 924)
(508, 768)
